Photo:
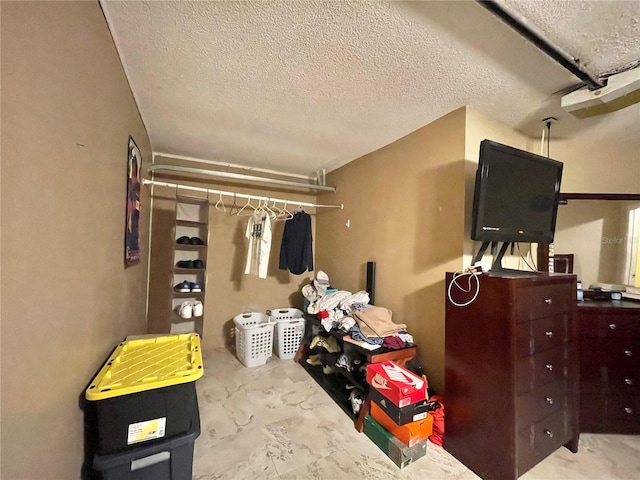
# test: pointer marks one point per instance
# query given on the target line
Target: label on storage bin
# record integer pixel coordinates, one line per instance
(142, 431)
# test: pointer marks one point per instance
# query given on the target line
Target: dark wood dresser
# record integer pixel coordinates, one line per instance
(511, 372)
(609, 366)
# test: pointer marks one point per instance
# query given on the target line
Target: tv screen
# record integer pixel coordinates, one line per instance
(516, 195)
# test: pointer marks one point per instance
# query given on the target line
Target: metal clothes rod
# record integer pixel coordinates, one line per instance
(238, 176)
(237, 195)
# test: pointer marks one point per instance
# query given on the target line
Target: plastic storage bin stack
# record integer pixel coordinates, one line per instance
(171, 459)
(254, 338)
(145, 397)
(289, 331)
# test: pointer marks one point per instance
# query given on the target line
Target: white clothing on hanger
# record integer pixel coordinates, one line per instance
(259, 234)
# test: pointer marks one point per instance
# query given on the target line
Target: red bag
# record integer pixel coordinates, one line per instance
(438, 421)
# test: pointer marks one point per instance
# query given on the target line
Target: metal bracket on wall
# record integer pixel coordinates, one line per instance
(239, 176)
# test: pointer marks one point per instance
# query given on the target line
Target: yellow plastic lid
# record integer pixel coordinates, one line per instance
(148, 363)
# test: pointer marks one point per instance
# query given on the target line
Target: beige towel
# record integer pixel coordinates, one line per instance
(376, 322)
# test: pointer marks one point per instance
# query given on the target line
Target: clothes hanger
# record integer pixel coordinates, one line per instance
(221, 202)
(286, 214)
(248, 204)
(277, 211)
(234, 205)
(269, 211)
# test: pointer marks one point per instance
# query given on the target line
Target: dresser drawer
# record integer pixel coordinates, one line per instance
(621, 353)
(604, 325)
(543, 334)
(543, 438)
(543, 301)
(609, 380)
(610, 414)
(623, 382)
(546, 367)
(540, 403)
(623, 412)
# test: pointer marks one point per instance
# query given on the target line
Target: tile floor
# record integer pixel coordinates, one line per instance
(275, 422)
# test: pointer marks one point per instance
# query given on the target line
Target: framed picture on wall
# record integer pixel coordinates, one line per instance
(132, 230)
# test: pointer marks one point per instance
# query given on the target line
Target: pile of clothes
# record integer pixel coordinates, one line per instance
(363, 324)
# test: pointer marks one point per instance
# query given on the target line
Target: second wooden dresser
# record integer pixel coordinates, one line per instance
(511, 372)
(609, 367)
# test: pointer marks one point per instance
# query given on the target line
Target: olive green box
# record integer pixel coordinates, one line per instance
(397, 451)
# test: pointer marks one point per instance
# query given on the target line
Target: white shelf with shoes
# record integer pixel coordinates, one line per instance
(191, 235)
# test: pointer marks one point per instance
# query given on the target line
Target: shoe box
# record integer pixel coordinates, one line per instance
(398, 452)
(411, 413)
(410, 433)
(396, 383)
(145, 392)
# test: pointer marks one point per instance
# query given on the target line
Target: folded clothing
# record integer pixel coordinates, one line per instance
(376, 322)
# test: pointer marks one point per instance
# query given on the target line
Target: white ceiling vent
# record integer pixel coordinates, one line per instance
(622, 90)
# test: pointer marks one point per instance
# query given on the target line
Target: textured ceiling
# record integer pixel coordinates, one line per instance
(298, 86)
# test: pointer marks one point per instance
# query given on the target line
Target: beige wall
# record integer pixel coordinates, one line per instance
(405, 208)
(229, 291)
(598, 167)
(67, 300)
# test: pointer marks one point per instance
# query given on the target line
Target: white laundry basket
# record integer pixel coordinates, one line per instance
(289, 331)
(254, 338)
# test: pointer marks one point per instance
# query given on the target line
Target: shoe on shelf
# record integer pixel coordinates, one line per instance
(185, 264)
(185, 310)
(314, 360)
(184, 240)
(356, 398)
(183, 287)
(197, 309)
(329, 344)
(198, 263)
(195, 241)
(194, 287)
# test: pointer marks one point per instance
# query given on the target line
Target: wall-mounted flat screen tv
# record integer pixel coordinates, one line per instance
(516, 195)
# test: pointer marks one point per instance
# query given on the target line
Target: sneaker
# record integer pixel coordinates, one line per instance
(314, 360)
(183, 287)
(183, 240)
(194, 287)
(197, 309)
(185, 264)
(198, 264)
(185, 310)
(329, 344)
(195, 241)
(356, 398)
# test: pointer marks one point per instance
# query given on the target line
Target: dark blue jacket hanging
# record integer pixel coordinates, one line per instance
(296, 251)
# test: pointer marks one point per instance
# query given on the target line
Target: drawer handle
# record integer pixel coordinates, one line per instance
(628, 353)
(548, 433)
(548, 301)
(549, 400)
(549, 367)
(613, 326)
(549, 333)
(628, 381)
(628, 410)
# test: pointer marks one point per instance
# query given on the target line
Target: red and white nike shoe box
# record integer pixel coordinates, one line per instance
(396, 383)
